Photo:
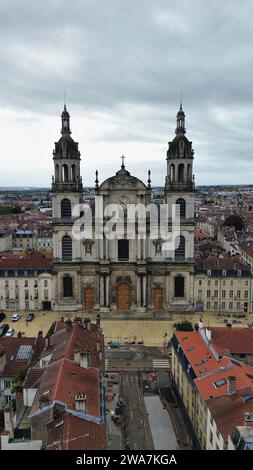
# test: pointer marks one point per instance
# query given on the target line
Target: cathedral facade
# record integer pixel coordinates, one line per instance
(122, 274)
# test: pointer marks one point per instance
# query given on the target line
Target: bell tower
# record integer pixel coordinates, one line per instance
(67, 191)
(180, 191)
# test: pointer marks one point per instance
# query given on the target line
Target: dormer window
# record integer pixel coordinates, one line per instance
(80, 402)
(209, 272)
(224, 272)
(239, 272)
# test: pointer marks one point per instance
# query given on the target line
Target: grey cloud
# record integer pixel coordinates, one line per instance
(129, 60)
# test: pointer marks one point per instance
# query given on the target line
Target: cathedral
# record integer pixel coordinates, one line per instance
(109, 275)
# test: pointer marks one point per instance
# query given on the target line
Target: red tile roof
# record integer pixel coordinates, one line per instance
(197, 350)
(63, 343)
(236, 340)
(26, 262)
(63, 380)
(76, 434)
(228, 411)
(11, 347)
(206, 385)
(33, 377)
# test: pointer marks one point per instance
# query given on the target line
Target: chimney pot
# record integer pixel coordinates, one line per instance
(231, 385)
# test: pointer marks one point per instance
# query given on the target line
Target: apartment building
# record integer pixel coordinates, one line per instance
(222, 285)
(26, 283)
(63, 394)
(203, 372)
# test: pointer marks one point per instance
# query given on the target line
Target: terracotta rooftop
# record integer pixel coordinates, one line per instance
(33, 377)
(63, 380)
(76, 434)
(63, 342)
(198, 353)
(26, 262)
(216, 384)
(236, 340)
(11, 347)
(228, 411)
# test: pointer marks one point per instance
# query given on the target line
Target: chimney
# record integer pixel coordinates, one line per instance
(2, 360)
(201, 324)
(44, 401)
(80, 402)
(47, 342)
(68, 325)
(208, 334)
(248, 419)
(231, 385)
(77, 357)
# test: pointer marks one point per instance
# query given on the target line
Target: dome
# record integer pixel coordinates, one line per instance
(180, 147)
(122, 180)
(66, 147)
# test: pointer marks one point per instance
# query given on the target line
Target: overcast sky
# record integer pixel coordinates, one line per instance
(123, 63)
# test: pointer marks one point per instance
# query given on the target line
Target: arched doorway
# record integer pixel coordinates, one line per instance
(123, 296)
(158, 298)
(179, 286)
(88, 298)
(67, 286)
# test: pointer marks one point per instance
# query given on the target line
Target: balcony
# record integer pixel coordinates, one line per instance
(69, 186)
(179, 185)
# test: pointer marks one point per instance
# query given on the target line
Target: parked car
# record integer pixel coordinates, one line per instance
(15, 317)
(2, 316)
(29, 317)
(10, 332)
(3, 329)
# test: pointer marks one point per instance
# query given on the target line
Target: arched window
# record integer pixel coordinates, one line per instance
(65, 209)
(189, 172)
(179, 286)
(67, 286)
(172, 172)
(180, 248)
(181, 172)
(67, 248)
(73, 172)
(181, 148)
(181, 206)
(57, 174)
(65, 173)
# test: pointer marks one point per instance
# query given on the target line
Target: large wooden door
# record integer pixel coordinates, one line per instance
(88, 298)
(123, 297)
(158, 298)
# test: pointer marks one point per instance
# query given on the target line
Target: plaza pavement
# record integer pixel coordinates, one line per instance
(121, 327)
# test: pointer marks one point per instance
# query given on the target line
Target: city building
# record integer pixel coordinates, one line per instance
(214, 389)
(26, 283)
(122, 274)
(63, 393)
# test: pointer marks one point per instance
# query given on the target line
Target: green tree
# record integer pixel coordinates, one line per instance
(183, 326)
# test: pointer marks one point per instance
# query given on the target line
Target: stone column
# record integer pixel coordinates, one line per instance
(144, 286)
(107, 290)
(101, 290)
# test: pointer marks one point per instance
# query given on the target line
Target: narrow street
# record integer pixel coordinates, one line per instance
(137, 431)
